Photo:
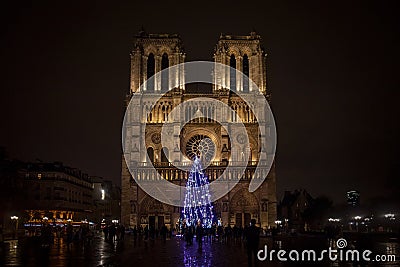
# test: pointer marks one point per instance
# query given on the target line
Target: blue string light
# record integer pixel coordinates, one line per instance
(197, 204)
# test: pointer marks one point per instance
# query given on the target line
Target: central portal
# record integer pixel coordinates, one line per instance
(242, 219)
(156, 222)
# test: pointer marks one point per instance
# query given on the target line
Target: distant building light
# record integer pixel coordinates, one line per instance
(14, 217)
(390, 216)
(334, 219)
(39, 176)
(357, 217)
(353, 198)
(103, 194)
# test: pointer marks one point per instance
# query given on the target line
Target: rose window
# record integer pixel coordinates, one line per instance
(200, 146)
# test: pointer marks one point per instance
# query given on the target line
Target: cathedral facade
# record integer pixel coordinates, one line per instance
(156, 52)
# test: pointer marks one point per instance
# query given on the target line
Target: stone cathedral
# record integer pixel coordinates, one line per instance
(154, 52)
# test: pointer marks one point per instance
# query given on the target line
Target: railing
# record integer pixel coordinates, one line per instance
(189, 163)
(145, 172)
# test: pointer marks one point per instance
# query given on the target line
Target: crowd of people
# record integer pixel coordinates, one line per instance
(149, 232)
(48, 234)
(114, 232)
(217, 233)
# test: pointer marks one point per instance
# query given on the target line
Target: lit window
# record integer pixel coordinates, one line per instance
(39, 176)
(103, 194)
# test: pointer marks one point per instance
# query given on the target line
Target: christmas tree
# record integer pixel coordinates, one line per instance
(197, 204)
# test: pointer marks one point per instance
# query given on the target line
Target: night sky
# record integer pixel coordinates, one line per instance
(333, 69)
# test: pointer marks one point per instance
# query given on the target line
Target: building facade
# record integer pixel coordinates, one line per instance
(57, 193)
(353, 198)
(155, 52)
(292, 209)
(106, 200)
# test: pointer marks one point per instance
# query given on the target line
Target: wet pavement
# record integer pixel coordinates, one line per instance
(172, 252)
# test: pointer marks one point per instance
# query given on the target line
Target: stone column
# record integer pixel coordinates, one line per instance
(239, 78)
(157, 80)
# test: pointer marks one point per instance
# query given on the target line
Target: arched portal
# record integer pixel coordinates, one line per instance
(244, 206)
(154, 213)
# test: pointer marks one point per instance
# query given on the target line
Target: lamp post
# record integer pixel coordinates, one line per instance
(14, 219)
(357, 219)
(278, 223)
(390, 221)
(286, 225)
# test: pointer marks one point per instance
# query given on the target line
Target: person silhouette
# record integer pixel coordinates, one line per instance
(252, 235)
(199, 234)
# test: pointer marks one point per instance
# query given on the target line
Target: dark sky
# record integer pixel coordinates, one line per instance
(333, 69)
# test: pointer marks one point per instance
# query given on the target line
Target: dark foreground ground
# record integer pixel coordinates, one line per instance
(172, 252)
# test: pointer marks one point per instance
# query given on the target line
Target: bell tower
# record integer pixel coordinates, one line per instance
(245, 54)
(153, 53)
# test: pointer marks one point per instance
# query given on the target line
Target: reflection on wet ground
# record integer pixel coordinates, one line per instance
(173, 252)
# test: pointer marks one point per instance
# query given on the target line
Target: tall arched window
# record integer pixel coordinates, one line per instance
(164, 154)
(150, 153)
(246, 73)
(151, 69)
(164, 74)
(164, 113)
(233, 72)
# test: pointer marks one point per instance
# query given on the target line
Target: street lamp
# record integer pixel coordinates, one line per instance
(15, 220)
(103, 194)
(357, 218)
(390, 216)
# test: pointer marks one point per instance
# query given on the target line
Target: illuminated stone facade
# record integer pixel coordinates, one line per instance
(155, 52)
